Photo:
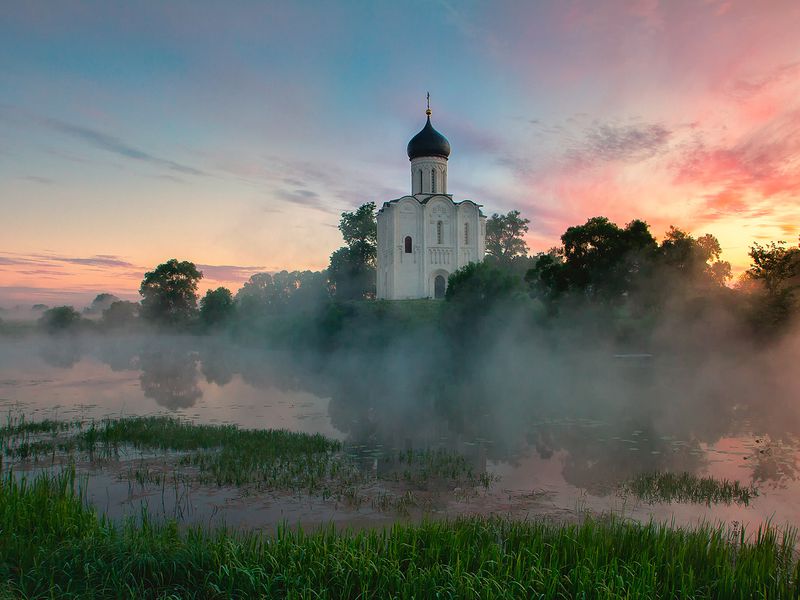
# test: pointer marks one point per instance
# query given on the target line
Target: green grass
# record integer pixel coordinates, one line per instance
(685, 487)
(156, 451)
(53, 546)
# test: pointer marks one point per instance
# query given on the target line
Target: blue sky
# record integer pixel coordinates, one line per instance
(233, 134)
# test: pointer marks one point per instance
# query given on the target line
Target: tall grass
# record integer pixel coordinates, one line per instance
(685, 487)
(53, 546)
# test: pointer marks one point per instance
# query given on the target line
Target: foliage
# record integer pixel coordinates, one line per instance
(777, 269)
(685, 487)
(52, 544)
(777, 266)
(100, 303)
(475, 288)
(216, 307)
(352, 267)
(169, 293)
(266, 294)
(59, 319)
(604, 263)
(598, 259)
(694, 261)
(505, 241)
(120, 314)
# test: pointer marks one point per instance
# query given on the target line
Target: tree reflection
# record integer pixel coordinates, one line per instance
(63, 353)
(170, 377)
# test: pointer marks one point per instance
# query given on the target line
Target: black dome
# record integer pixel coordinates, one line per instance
(428, 142)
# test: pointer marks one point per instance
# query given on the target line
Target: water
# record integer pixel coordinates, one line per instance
(552, 459)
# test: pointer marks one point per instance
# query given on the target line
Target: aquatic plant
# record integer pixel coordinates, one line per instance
(53, 545)
(685, 487)
(155, 449)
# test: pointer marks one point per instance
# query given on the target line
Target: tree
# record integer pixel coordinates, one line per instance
(598, 259)
(777, 268)
(169, 293)
(59, 319)
(100, 303)
(216, 307)
(504, 238)
(120, 314)
(476, 287)
(264, 293)
(695, 262)
(352, 267)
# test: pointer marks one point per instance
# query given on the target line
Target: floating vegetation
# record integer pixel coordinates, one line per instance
(685, 487)
(53, 545)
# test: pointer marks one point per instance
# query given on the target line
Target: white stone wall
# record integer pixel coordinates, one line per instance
(427, 171)
(444, 237)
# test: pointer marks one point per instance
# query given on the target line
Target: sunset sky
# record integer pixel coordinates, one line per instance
(233, 134)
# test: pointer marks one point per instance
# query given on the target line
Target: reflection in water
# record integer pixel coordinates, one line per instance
(620, 419)
(170, 377)
(63, 353)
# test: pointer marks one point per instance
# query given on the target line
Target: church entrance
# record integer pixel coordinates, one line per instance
(438, 287)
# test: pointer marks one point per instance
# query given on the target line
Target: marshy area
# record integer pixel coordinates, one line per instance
(194, 467)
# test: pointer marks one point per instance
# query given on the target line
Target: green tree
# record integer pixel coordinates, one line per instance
(505, 243)
(352, 267)
(598, 259)
(100, 303)
(694, 262)
(216, 307)
(169, 293)
(60, 319)
(477, 287)
(120, 314)
(777, 268)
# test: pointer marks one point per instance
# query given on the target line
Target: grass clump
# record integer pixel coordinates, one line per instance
(685, 487)
(53, 545)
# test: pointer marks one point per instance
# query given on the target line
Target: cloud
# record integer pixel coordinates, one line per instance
(113, 144)
(228, 272)
(98, 260)
(765, 161)
(606, 142)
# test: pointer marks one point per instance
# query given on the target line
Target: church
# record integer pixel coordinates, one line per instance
(425, 236)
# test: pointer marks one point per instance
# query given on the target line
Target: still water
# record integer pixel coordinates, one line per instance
(554, 459)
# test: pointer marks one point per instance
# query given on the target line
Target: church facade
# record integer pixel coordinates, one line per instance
(425, 236)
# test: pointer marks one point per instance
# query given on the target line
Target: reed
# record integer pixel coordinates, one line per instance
(685, 487)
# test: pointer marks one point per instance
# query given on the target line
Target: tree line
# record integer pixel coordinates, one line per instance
(598, 264)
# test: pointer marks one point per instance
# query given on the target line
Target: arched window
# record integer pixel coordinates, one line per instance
(420, 181)
(439, 232)
(466, 234)
(408, 244)
(433, 181)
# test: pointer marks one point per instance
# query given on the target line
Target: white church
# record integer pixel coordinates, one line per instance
(425, 236)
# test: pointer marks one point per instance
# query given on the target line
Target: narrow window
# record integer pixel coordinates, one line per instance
(408, 244)
(433, 181)
(466, 234)
(420, 181)
(439, 233)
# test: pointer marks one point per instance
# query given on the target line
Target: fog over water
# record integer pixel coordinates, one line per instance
(562, 418)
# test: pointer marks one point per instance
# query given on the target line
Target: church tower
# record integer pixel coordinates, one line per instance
(425, 236)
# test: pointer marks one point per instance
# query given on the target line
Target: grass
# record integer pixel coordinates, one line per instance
(156, 451)
(685, 487)
(53, 546)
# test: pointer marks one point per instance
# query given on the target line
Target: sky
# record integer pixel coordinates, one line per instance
(233, 134)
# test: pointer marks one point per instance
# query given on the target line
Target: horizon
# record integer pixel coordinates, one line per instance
(234, 138)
